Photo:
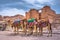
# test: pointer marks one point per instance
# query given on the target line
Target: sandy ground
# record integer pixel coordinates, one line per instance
(8, 35)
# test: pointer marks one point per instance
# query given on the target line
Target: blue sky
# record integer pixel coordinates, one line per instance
(13, 7)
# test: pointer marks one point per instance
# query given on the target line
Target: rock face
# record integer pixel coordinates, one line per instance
(33, 13)
(13, 18)
(57, 20)
(48, 14)
(17, 17)
(1, 18)
(45, 13)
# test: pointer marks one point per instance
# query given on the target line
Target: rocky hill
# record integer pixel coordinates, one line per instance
(12, 18)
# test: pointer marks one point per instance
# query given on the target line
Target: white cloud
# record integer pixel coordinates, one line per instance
(30, 1)
(12, 12)
(14, 3)
(41, 2)
(44, 1)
